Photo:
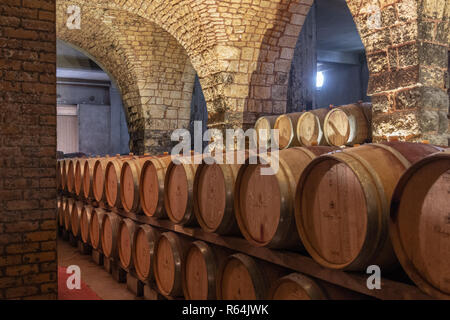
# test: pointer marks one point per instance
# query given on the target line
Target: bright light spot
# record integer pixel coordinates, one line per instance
(320, 80)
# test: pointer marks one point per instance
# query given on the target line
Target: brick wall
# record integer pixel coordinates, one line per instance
(27, 149)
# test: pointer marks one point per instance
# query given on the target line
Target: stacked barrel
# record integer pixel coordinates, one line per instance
(380, 204)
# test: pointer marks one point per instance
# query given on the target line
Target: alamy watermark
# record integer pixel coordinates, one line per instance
(74, 20)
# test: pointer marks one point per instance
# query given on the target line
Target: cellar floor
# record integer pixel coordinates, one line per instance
(93, 275)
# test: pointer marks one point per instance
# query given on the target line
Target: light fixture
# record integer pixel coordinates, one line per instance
(320, 79)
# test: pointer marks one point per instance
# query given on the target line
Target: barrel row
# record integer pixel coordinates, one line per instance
(348, 208)
(337, 126)
(183, 267)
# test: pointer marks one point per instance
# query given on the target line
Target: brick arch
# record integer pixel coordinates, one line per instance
(152, 71)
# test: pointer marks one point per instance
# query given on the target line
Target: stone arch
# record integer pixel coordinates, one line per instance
(151, 69)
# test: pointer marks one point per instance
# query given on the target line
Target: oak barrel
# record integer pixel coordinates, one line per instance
(95, 228)
(113, 182)
(59, 169)
(201, 270)
(246, 278)
(348, 125)
(67, 214)
(170, 254)
(342, 203)
(78, 184)
(420, 224)
(110, 234)
(151, 186)
(310, 128)
(75, 217)
(88, 178)
(178, 191)
(71, 175)
(264, 204)
(127, 227)
(85, 222)
(296, 286)
(265, 123)
(98, 179)
(144, 242)
(61, 211)
(214, 194)
(64, 174)
(286, 125)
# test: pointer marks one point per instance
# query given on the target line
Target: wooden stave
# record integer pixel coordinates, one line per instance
(64, 175)
(59, 175)
(88, 172)
(311, 287)
(228, 225)
(288, 237)
(161, 165)
(71, 176)
(361, 168)
(131, 226)
(270, 120)
(98, 214)
(152, 235)
(214, 257)
(293, 119)
(115, 222)
(319, 115)
(61, 211)
(179, 245)
(78, 186)
(189, 215)
(413, 272)
(116, 163)
(261, 272)
(75, 216)
(86, 235)
(67, 214)
(100, 164)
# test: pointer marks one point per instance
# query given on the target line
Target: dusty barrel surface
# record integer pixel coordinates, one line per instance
(129, 181)
(113, 182)
(245, 278)
(85, 221)
(264, 204)
(98, 179)
(342, 203)
(151, 186)
(127, 227)
(348, 125)
(286, 125)
(144, 243)
(310, 128)
(420, 224)
(178, 191)
(110, 234)
(214, 194)
(170, 254)
(95, 228)
(88, 178)
(263, 127)
(78, 182)
(201, 271)
(75, 217)
(296, 286)
(67, 214)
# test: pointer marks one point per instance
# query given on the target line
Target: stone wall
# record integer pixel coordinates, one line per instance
(28, 267)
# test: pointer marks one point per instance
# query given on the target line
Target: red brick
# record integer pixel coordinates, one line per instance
(40, 278)
(22, 248)
(23, 226)
(22, 205)
(10, 260)
(21, 33)
(40, 236)
(39, 257)
(40, 4)
(22, 270)
(21, 292)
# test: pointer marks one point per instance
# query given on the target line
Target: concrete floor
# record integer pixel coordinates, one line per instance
(93, 275)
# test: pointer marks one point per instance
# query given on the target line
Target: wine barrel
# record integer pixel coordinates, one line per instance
(85, 221)
(78, 184)
(59, 169)
(178, 191)
(61, 211)
(71, 175)
(151, 186)
(342, 203)
(266, 123)
(201, 270)
(245, 278)
(130, 178)
(64, 174)
(264, 204)
(214, 195)
(144, 242)
(286, 124)
(112, 181)
(348, 125)
(296, 286)
(110, 234)
(127, 227)
(95, 228)
(310, 128)
(88, 177)
(67, 214)
(170, 254)
(75, 217)
(98, 178)
(420, 224)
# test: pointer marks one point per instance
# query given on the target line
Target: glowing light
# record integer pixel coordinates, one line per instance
(320, 79)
